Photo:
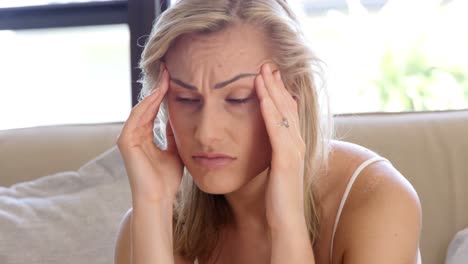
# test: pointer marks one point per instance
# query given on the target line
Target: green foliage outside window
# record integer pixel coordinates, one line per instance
(405, 56)
(409, 82)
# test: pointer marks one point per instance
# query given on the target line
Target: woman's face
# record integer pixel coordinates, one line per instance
(213, 107)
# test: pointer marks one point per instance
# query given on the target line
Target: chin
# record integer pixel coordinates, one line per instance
(218, 181)
(228, 180)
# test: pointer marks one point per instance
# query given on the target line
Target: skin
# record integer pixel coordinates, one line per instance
(200, 61)
(200, 92)
(266, 195)
(193, 122)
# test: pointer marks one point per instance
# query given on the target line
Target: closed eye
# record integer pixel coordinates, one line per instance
(230, 100)
(187, 100)
(239, 101)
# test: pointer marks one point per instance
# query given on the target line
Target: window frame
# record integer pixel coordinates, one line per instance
(138, 14)
(64, 15)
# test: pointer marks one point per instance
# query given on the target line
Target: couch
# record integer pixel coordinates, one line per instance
(77, 171)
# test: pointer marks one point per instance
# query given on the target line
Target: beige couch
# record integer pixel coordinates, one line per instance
(430, 149)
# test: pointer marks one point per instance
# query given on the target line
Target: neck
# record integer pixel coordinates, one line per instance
(248, 205)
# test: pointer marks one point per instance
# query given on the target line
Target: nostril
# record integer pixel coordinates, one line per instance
(206, 132)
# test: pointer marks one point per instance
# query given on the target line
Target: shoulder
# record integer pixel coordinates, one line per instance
(381, 220)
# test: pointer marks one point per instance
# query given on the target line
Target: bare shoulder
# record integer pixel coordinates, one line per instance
(122, 251)
(381, 220)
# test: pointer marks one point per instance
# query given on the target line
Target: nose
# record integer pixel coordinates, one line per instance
(208, 127)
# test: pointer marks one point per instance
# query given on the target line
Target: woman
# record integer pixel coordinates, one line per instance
(249, 173)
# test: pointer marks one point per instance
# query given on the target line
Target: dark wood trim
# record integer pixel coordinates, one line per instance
(141, 14)
(64, 15)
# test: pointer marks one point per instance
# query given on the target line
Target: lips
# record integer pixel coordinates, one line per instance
(213, 160)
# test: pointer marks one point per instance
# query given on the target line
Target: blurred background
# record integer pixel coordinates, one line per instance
(69, 62)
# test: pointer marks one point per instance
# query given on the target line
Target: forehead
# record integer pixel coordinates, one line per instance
(240, 47)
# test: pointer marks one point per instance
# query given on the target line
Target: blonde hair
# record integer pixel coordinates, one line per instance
(199, 216)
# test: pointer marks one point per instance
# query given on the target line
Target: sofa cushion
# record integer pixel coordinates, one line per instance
(68, 217)
(29, 153)
(458, 249)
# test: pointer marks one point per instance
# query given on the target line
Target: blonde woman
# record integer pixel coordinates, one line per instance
(243, 168)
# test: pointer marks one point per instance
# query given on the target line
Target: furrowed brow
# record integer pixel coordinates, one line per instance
(235, 78)
(218, 85)
(184, 85)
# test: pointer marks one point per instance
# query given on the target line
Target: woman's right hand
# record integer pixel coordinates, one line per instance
(154, 174)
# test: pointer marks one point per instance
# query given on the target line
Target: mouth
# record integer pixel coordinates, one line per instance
(213, 160)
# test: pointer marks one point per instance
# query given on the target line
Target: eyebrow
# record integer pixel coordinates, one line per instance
(218, 85)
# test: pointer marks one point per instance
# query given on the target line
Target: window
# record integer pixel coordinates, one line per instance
(103, 34)
(64, 75)
(390, 55)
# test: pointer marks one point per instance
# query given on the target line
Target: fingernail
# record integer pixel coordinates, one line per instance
(267, 67)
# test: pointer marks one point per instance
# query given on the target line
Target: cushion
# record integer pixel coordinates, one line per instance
(67, 217)
(458, 249)
(32, 145)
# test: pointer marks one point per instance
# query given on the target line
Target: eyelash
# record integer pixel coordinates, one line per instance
(193, 101)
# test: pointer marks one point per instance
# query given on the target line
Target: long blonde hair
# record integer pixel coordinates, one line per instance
(199, 216)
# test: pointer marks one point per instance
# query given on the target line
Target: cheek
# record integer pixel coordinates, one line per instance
(179, 121)
(256, 135)
(256, 147)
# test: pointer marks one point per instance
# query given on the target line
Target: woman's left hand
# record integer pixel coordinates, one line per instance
(284, 193)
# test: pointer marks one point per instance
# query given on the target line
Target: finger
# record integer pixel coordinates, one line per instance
(141, 106)
(171, 144)
(280, 96)
(132, 121)
(286, 95)
(141, 119)
(274, 91)
(289, 101)
(150, 113)
(270, 114)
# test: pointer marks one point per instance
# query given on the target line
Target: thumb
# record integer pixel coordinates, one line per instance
(171, 145)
